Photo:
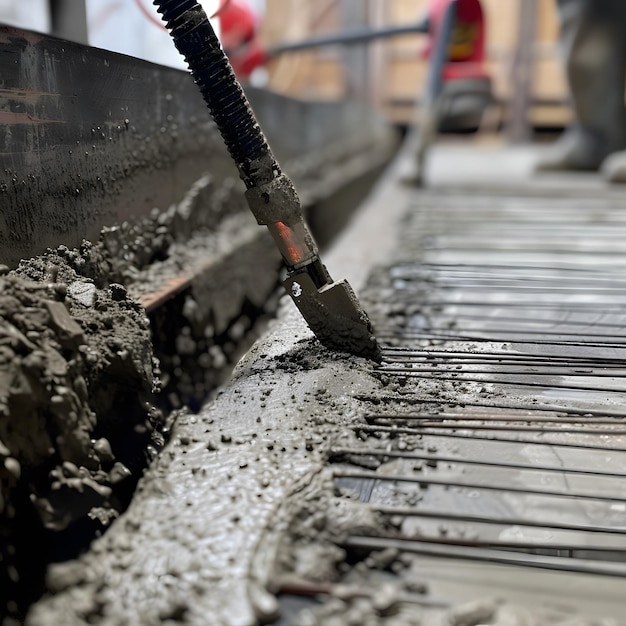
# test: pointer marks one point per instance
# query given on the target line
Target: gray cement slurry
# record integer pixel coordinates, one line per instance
(76, 424)
(211, 516)
(242, 500)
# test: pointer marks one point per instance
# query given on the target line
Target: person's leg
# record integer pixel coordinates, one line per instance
(591, 42)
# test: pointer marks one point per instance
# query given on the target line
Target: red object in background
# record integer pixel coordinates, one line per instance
(466, 52)
(238, 33)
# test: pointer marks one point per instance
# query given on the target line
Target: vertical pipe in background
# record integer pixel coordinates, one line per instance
(439, 56)
(429, 103)
(519, 127)
(378, 54)
(355, 58)
(68, 20)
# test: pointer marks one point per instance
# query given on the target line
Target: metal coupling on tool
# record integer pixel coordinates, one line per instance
(331, 309)
(275, 204)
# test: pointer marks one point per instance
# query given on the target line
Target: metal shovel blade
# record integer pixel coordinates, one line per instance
(334, 315)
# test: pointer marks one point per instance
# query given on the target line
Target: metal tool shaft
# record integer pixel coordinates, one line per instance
(331, 310)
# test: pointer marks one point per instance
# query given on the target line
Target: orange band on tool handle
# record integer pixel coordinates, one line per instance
(294, 244)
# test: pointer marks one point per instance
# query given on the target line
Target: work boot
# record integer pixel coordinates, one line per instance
(614, 168)
(593, 48)
(576, 149)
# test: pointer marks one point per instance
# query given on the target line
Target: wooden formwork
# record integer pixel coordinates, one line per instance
(395, 69)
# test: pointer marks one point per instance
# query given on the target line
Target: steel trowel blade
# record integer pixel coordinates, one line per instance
(335, 315)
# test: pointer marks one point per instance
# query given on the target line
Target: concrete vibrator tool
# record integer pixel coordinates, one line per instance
(331, 309)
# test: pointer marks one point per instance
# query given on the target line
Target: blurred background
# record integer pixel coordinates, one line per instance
(520, 55)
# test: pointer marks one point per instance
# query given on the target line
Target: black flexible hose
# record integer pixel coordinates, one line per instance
(196, 40)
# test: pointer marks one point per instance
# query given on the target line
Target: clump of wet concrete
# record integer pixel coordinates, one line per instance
(207, 244)
(310, 547)
(77, 427)
(134, 246)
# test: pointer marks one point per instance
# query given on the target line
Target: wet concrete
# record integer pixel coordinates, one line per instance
(89, 374)
(100, 341)
(77, 428)
(240, 513)
(255, 447)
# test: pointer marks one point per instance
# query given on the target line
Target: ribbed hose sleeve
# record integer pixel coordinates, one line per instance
(196, 40)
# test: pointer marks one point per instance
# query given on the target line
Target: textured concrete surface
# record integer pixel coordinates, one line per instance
(241, 503)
